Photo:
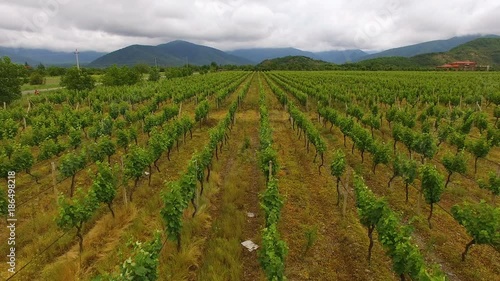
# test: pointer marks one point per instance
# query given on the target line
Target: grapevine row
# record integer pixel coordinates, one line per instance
(375, 214)
(180, 192)
(304, 125)
(274, 250)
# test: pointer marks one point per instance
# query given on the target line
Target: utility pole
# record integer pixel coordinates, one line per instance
(77, 62)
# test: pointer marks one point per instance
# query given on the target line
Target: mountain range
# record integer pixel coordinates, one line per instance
(47, 57)
(177, 53)
(426, 47)
(484, 51)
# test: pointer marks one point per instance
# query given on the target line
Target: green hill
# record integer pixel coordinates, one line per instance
(295, 63)
(385, 63)
(426, 47)
(175, 53)
(257, 55)
(484, 51)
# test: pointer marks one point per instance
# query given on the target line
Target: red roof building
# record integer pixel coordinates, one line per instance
(459, 65)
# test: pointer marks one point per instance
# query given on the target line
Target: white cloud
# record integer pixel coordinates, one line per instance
(228, 24)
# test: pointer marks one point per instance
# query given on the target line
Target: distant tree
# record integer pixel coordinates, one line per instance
(214, 66)
(142, 68)
(118, 76)
(204, 69)
(172, 72)
(12, 76)
(41, 69)
(36, 78)
(154, 74)
(55, 71)
(77, 79)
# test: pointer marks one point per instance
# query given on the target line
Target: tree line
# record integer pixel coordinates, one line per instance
(14, 75)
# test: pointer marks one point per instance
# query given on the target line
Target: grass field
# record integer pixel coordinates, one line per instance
(50, 82)
(325, 240)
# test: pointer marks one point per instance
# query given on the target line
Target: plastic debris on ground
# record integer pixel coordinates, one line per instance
(251, 246)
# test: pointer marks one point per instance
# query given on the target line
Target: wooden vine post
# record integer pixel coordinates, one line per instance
(345, 193)
(125, 198)
(54, 180)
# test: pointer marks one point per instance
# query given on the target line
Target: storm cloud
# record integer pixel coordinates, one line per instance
(314, 25)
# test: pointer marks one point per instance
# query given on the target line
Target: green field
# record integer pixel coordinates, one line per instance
(298, 162)
(50, 82)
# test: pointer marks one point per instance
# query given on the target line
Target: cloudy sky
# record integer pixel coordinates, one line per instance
(313, 25)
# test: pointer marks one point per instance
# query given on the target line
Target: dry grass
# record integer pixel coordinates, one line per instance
(224, 258)
(99, 241)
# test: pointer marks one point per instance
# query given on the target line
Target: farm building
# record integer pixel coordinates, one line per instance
(459, 65)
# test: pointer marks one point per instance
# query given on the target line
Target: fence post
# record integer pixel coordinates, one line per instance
(54, 180)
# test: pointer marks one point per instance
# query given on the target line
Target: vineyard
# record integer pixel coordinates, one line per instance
(334, 175)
